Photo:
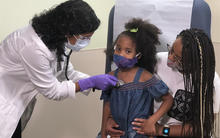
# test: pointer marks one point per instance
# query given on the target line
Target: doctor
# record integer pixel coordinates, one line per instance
(35, 59)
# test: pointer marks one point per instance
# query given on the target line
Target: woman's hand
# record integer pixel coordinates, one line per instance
(145, 127)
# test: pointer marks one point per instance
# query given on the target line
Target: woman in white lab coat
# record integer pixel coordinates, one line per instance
(35, 59)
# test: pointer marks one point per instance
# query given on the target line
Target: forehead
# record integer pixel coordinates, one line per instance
(177, 46)
(125, 41)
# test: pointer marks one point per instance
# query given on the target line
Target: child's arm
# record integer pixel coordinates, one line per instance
(105, 115)
(148, 126)
(164, 107)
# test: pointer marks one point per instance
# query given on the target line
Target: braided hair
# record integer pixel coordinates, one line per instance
(145, 36)
(72, 17)
(198, 62)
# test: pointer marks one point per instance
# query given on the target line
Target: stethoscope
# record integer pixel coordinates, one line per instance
(67, 62)
(119, 83)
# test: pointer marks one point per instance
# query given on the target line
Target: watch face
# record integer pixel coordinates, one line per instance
(166, 131)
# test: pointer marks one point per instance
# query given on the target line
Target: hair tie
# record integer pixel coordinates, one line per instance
(133, 30)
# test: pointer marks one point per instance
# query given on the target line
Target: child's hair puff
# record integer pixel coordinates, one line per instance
(145, 36)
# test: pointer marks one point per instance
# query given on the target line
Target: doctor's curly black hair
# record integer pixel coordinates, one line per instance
(68, 18)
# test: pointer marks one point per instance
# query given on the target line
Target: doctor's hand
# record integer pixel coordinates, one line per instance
(111, 129)
(101, 82)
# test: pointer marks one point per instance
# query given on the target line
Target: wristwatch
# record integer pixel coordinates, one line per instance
(166, 130)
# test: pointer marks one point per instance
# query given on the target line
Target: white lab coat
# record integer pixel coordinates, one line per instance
(28, 67)
(174, 80)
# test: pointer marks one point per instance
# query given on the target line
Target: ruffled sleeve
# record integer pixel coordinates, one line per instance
(105, 95)
(158, 89)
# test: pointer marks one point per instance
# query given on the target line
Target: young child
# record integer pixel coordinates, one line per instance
(135, 56)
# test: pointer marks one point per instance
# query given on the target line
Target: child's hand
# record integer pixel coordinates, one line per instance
(144, 126)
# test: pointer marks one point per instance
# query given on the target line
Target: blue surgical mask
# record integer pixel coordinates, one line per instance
(123, 62)
(80, 43)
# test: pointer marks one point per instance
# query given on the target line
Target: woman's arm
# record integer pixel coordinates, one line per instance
(165, 106)
(77, 87)
(175, 130)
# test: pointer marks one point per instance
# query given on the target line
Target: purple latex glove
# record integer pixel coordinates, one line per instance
(101, 82)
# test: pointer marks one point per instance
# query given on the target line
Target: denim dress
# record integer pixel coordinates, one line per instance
(133, 100)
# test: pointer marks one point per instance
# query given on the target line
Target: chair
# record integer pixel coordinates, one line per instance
(200, 18)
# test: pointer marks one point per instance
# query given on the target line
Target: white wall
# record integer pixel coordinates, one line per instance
(17, 13)
(215, 9)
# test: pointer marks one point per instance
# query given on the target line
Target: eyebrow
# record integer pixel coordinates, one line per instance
(128, 48)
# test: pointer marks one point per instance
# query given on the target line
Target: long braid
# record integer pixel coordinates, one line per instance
(198, 72)
(202, 100)
(209, 66)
